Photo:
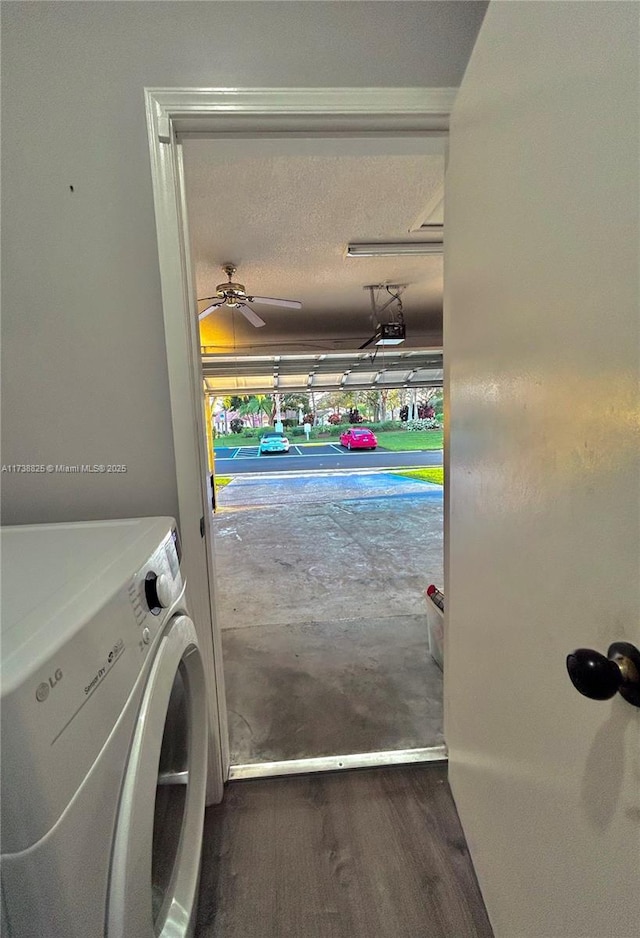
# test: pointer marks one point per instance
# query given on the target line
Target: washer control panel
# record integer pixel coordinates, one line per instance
(155, 588)
(158, 591)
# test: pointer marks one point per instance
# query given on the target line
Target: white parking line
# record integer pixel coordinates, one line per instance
(252, 452)
(337, 447)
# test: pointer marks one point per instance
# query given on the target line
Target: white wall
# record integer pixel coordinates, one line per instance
(84, 367)
(541, 338)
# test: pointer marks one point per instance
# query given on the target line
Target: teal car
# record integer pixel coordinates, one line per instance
(273, 443)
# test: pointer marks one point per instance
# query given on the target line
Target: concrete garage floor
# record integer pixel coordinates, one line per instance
(320, 586)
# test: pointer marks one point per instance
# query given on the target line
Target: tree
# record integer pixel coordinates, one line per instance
(371, 404)
(314, 416)
(234, 401)
(340, 400)
(384, 393)
(437, 400)
(294, 401)
(394, 399)
(430, 394)
(257, 404)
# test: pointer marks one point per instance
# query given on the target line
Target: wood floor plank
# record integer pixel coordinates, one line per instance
(376, 853)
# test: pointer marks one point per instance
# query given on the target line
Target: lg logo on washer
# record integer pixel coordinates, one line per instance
(43, 690)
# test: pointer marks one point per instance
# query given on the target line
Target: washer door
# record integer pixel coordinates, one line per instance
(156, 857)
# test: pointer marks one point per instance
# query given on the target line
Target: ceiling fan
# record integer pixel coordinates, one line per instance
(235, 296)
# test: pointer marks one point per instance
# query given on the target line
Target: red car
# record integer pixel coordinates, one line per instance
(358, 438)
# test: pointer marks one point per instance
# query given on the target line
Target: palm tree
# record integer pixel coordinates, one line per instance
(256, 405)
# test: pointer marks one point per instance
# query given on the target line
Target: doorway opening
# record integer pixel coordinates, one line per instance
(340, 329)
(328, 533)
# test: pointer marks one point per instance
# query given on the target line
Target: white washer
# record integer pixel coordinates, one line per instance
(104, 733)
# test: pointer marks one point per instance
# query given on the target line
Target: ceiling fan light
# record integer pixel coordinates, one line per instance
(234, 296)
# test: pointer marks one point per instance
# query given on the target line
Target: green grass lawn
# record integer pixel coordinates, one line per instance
(396, 440)
(432, 474)
(399, 440)
(238, 439)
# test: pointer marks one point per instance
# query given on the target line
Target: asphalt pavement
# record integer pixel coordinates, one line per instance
(307, 457)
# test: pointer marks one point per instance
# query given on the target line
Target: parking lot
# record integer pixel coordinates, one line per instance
(296, 449)
(306, 457)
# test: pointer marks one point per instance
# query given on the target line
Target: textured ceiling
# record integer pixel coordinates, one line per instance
(284, 209)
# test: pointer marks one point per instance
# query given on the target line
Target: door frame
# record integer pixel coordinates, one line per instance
(171, 112)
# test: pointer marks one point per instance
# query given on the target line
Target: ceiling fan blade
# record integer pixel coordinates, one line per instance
(272, 301)
(249, 314)
(209, 309)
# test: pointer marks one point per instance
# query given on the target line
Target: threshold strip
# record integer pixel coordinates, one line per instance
(310, 473)
(361, 760)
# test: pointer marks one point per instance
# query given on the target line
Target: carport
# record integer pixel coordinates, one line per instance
(355, 370)
(322, 577)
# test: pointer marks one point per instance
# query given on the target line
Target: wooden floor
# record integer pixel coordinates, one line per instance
(376, 853)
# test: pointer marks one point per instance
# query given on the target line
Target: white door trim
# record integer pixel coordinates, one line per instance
(235, 111)
(297, 110)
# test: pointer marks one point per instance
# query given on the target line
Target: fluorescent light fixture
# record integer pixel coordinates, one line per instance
(389, 333)
(394, 249)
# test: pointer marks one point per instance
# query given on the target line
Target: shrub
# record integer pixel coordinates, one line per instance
(430, 423)
(251, 431)
(335, 419)
(236, 425)
(389, 425)
(384, 425)
(425, 412)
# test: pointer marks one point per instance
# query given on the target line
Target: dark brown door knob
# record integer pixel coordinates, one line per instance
(600, 678)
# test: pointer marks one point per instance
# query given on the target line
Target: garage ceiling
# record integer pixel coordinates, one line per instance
(283, 210)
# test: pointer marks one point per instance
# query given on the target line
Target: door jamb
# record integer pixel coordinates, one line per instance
(173, 111)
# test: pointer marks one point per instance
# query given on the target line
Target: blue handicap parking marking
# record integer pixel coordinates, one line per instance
(362, 491)
(225, 452)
